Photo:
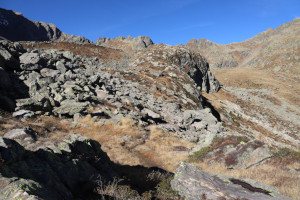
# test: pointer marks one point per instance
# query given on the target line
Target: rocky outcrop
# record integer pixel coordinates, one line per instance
(215, 53)
(72, 168)
(15, 27)
(195, 184)
(74, 39)
(129, 43)
(53, 171)
(64, 84)
(234, 151)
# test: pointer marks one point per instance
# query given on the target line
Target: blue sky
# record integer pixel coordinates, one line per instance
(164, 21)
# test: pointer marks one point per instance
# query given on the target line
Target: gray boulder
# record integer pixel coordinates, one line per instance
(30, 58)
(195, 184)
(61, 67)
(24, 114)
(23, 135)
(46, 72)
(151, 114)
(31, 61)
(70, 107)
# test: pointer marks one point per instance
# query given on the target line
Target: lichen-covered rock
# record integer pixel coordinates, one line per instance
(195, 184)
(70, 107)
(247, 155)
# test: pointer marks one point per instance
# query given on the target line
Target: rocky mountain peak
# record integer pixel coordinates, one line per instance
(114, 120)
(15, 27)
(127, 44)
(200, 44)
(260, 51)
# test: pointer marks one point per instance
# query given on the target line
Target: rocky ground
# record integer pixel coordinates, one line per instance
(122, 119)
(158, 120)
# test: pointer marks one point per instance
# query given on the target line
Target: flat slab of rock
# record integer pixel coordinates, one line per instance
(24, 114)
(71, 107)
(195, 184)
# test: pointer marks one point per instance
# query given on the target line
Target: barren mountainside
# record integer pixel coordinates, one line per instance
(276, 50)
(125, 118)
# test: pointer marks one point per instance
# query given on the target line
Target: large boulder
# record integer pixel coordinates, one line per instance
(70, 107)
(31, 61)
(195, 184)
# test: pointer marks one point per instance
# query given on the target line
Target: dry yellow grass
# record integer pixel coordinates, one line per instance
(283, 85)
(162, 149)
(88, 50)
(286, 182)
(158, 149)
(283, 90)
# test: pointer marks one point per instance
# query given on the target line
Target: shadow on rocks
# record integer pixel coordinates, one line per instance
(68, 170)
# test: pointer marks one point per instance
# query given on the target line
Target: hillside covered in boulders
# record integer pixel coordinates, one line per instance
(125, 118)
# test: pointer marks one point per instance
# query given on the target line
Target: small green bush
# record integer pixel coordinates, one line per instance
(287, 153)
(165, 191)
(199, 155)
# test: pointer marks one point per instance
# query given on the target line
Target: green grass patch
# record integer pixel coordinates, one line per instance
(199, 155)
(165, 191)
(287, 153)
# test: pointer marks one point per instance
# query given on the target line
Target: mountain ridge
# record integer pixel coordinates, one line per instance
(116, 119)
(261, 51)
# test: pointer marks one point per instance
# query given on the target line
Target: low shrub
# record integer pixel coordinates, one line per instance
(165, 191)
(199, 155)
(287, 153)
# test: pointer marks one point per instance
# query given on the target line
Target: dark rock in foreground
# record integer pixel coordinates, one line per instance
(73, 168)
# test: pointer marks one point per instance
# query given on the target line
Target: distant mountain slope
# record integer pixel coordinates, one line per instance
(275, 49)
(15, 27)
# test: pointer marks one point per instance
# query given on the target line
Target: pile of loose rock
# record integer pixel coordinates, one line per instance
(51, 82)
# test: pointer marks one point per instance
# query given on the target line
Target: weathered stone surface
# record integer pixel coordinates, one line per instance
(70, 107)
(24, 135)
(195, 184)
(152, 114)
(246, 155)
(24, 114)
